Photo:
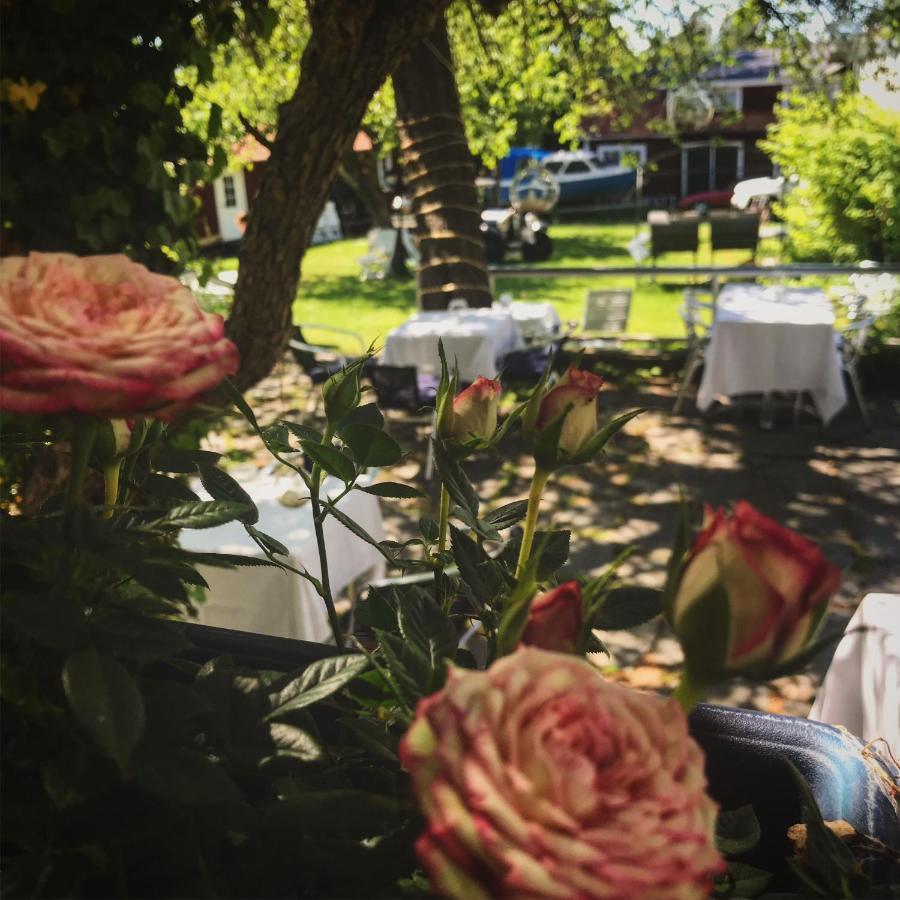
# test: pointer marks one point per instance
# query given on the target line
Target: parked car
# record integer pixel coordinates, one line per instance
(709, 199)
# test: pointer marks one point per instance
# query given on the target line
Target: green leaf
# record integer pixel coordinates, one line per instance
(429, 529)
(800, 661)
(273, 545)
(331, 461)
(184, 462)
(455, 479)
(292, 742)
(628, 607)
(185, 777)
(204, 514)
(365, 414)
(277, 438)
(408, 670)
(737, 831)
(374, 736)
(428, 632)
(741, 880)
(516, 609)
(221, 486)
(507, 515)
(157, 485)
(237, 398)
(550, 548)
(546, 442)
(361, 533)
(371, 446)
(476, 568)
(319, 680)
(303, 432)
(680, 544)
(107, 702)
(392, 489)
(703, 632)
(604, 435)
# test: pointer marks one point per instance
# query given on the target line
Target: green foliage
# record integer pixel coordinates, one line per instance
(101, 162)
(845, 154)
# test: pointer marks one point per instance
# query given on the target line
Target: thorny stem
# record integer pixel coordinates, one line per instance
(84, 431)
(538, 483)
(443, 528)
(319, 526)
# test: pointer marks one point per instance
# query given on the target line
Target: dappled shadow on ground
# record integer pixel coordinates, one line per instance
(839, 486)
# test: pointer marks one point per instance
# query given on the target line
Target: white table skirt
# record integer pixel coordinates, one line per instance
(774, 339)
(477, 339)
(861, 690)
(268, 600)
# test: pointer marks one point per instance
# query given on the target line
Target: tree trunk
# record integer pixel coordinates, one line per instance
(359, 170)
(353, 45)
(440, 177)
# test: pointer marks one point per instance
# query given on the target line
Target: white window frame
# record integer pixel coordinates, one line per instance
(712, 147)
(229, 187)
(638, 150)
(738, 92)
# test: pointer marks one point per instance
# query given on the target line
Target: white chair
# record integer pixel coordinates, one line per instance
(458, 304)
(699, 333)
(375, 264)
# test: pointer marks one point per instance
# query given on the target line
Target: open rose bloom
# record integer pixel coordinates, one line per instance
(776, 585)
(102, 335)
(538, 778)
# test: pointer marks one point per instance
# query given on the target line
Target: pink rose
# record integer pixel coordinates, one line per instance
(103, 335)
(576, 390)
(776, 583)
(554, 620)
(538, 778)
(475, 411)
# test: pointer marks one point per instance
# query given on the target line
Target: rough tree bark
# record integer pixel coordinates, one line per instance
(440, 176)
(352, 48)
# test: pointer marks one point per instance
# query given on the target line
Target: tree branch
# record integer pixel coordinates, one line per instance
(254, 132)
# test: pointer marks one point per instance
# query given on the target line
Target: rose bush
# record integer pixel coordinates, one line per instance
(538, 778)
(554, 619)
(772, 584)
(103, 335)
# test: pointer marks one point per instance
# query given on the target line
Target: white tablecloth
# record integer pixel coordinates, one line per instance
(272, 601)
(774, 339)
(476, 338)
(861, 690)
(536, 321)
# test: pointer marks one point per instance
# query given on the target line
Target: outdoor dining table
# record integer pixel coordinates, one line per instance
(537, 321)
(774, 338)
(476, 339)
(273, 601)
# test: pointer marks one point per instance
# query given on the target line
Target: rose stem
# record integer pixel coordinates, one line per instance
(688, 693)
(83, 432)
(319, 526)
(538, 483)
(111, 486)
(443, 528)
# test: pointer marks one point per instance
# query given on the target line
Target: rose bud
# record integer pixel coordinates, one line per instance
(475, 411)
(539, 778)
(554, 620)
(577, 391)
(766, 585)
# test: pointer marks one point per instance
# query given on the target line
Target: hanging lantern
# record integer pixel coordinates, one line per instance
(689, 108)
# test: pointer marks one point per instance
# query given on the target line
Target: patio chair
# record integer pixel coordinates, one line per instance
(674, 235)
(734, 231)
(698, 332)
(375, 264)
(526, 366)
(402, 387)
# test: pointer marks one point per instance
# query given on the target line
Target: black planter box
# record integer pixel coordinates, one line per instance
(746, 757)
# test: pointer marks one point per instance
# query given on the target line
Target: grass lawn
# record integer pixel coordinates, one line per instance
(331, 293)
